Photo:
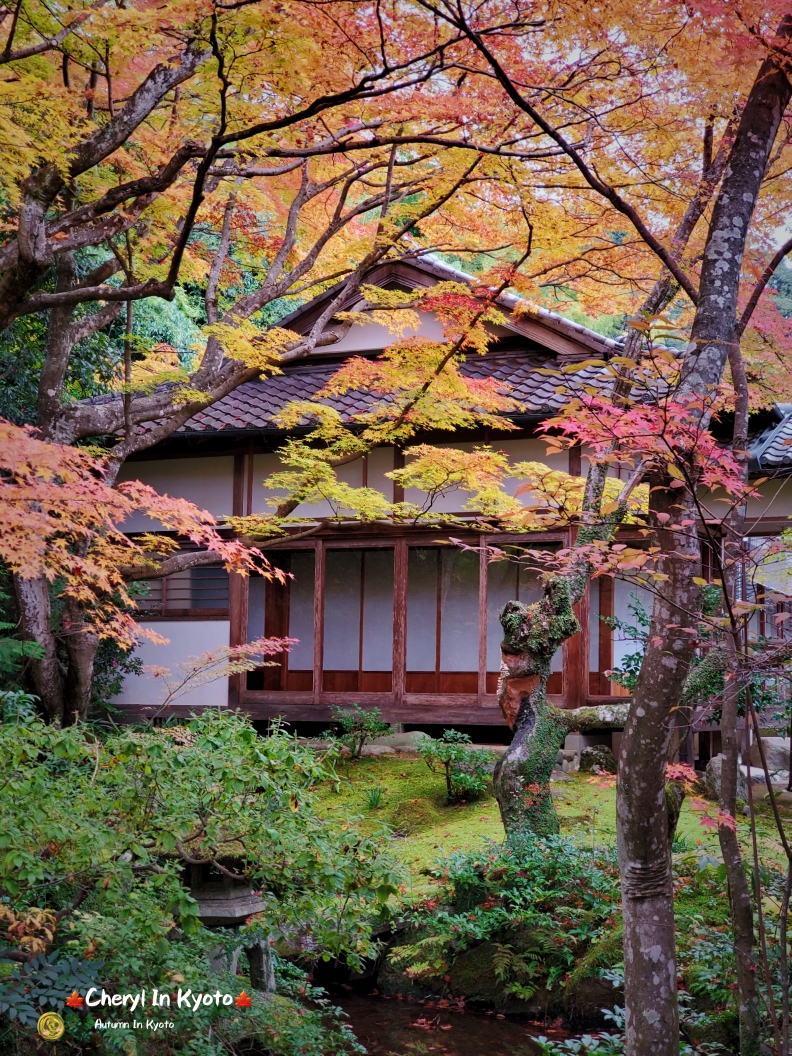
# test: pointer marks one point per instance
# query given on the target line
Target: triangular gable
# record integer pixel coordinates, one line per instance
(571, 342)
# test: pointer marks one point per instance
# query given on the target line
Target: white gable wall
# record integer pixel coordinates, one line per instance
(364, 337)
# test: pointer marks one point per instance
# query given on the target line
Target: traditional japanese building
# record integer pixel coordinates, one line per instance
(386, 615)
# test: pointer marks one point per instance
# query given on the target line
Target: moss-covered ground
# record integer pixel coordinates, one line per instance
(425, 826)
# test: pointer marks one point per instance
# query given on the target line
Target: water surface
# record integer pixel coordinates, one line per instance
(395, 1028)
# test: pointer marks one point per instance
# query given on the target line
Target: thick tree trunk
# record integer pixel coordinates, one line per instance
(35, 613)
(80, 642)
(650, 992)
(532, 633)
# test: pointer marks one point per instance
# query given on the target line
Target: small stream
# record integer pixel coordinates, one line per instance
(388, 1027)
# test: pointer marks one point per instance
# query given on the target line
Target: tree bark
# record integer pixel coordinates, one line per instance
(740, 900)
(80, 642)
(650, 989)
(47, 675)
(652, 1026)
(532, 633)
(59, 346)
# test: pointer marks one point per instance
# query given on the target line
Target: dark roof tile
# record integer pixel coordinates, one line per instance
(253, 406)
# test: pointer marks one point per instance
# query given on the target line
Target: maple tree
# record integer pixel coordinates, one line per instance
(635, 174)
(110, 200)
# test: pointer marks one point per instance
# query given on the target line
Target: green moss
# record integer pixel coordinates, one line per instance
(413, 815)
(538, 629)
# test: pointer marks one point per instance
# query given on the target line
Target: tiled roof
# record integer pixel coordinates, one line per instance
(253, 405)
(771, 451)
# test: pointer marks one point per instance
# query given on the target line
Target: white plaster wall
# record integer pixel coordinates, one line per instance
(366, 337)
(775, 501)
(380, 462)
(186, 639)
(517, 450)
(208, 482)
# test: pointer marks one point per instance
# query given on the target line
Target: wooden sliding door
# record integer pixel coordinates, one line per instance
(284, 610)
(442, 620)
(358, 621)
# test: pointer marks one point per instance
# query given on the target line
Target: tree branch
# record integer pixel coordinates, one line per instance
(759, 288)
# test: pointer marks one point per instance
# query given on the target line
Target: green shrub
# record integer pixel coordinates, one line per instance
(355, 726)
(466, 771)
(539, 904)
(95, 828)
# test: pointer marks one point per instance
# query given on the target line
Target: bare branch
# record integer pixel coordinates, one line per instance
(759, 288)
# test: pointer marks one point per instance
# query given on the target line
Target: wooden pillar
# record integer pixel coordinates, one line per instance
(398, 463)
(249, 498)
(605, 651)
(237, 588)
(319, 581)
(238, 606)
(237, 502)
(399, 620)
(575, 662)
(482, 603)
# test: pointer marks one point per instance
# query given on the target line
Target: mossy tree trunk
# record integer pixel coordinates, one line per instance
(532, 634)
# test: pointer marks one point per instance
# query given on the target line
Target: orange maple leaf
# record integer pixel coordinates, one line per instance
(74, 1000)
(243, 1001)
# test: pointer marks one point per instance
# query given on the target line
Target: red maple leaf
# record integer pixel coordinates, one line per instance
(74, 1000)
(243, 1001)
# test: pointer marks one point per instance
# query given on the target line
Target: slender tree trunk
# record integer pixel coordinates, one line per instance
(739, 890)
(652, 1027)
(59, 346)
(650, 991)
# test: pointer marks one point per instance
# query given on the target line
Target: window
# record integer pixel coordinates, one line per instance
(284, 610)
(358, 621)
(203, 590)
(442, 620)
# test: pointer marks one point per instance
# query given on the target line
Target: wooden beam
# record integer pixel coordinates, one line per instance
(453, 714)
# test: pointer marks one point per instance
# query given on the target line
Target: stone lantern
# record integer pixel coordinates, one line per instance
(224, 902)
